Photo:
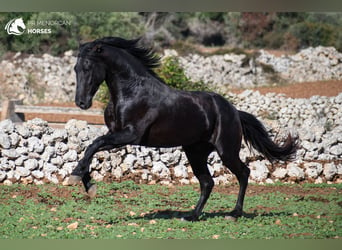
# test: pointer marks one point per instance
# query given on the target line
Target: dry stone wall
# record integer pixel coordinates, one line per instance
(33, 152)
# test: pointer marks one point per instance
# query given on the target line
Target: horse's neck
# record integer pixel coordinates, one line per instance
(128, 88)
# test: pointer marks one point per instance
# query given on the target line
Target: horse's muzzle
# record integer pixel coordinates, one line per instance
(83, 104)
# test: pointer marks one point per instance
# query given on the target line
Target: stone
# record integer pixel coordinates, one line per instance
(36, 122)
(48, 153)
(49, 168)
(83, 135)
(259, 170)
(35, 145)
(26, 180)
(7, 126)
(166, 158)
(130, 159)
(37, 174)
(280, 173)
(52, 178)
(31, 164)
(184, 181)
(339, 168)
(69, 156)
(22, 150)
(57, 161)
(295, 171)
(69, 167)
(71, 128)
(160, 169)
(309, 146)
(180, 171)
(8, 183)
(97, 176)
(23, 131)
(37, 127)
(15, 139)
(336, 150)
(20, 161)
(61, 148)
(2, 176)
(313, 169)
(117, 172)
(329, 171)
(5, 141)
(22, 172)
(11, 154)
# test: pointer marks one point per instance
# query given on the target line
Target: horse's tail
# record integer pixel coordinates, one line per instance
(257, 136)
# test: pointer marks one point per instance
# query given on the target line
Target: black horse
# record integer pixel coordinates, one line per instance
(143, 110)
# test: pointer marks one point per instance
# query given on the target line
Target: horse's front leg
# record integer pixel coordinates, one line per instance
(105, 142)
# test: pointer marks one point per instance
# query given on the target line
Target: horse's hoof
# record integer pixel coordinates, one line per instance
(74, 179)
(231, 218)
(92, 191)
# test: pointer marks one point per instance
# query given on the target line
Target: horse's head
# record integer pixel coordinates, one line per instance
(13, 26)
(90, 71)
(20, 23)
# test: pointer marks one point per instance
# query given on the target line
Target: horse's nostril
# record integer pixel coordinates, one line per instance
(83, 105)
(80, 104)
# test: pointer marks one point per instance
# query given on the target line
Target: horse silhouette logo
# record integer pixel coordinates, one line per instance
(12, 27)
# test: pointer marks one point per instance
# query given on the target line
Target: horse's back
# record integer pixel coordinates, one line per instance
(189, 118)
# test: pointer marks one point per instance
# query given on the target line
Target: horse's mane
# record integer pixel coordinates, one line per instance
(145, 55)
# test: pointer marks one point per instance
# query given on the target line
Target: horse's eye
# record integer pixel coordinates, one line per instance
(98, 50)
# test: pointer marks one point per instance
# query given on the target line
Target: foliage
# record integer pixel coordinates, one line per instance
(82, 27)
(172, 73)
(102, 95)
(314, 34)
(284, 30)
(291, 30)
(133, 211)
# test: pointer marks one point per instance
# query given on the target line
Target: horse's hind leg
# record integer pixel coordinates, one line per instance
(197, 155)
(242, 174)
(228, 145)
(241, 171)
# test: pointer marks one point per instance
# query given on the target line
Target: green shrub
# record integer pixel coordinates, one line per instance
(314, 34)
(172, 73)
(102, 95)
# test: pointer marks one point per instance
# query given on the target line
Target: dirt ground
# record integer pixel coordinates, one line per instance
(303, 90)
(298, 190)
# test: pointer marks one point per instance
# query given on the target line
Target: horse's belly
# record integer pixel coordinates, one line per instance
(172, 134)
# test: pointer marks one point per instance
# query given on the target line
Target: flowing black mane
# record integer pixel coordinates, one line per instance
(146, 56)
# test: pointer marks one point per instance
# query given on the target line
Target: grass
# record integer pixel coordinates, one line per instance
(130, 211)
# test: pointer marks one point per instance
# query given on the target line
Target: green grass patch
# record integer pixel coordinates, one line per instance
(131, 211)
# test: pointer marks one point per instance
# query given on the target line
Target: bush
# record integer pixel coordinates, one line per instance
(173, 75)
(102, 95)
(314, 34)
